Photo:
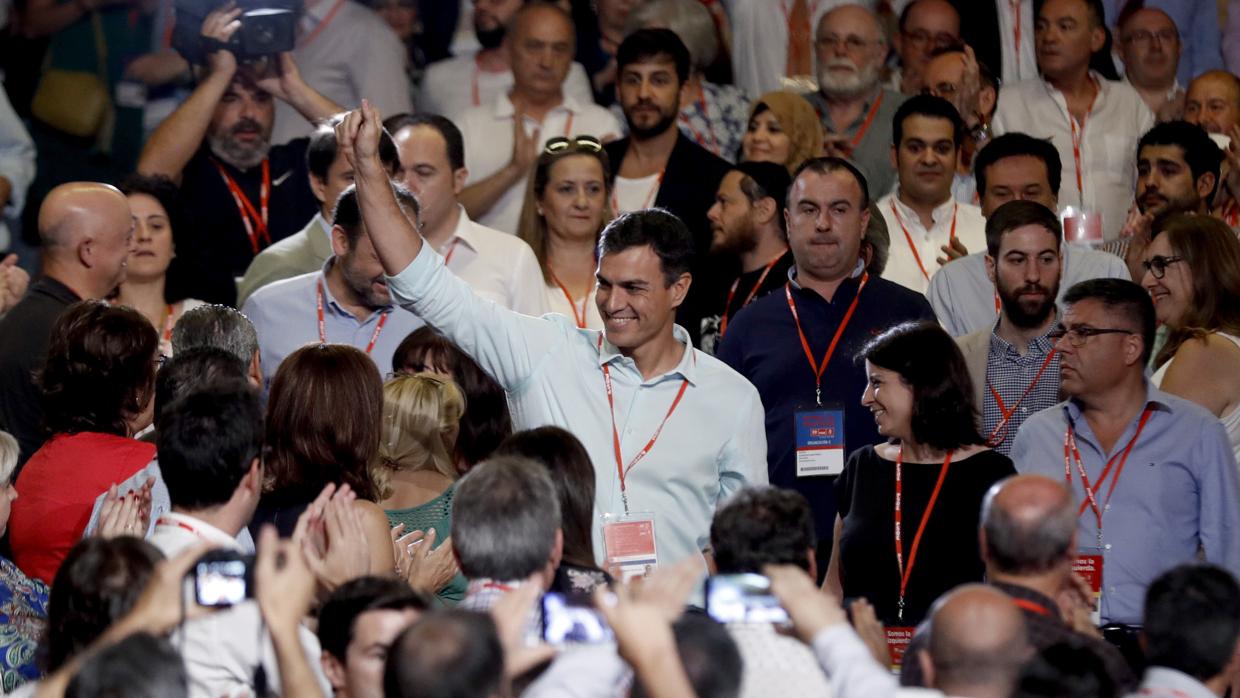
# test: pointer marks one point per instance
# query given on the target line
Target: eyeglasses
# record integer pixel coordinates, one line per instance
(1080, 334)
(923, 38)
(852, 42)
(946, 90)
(588, 144)
(1157, 265)
(1145, 38)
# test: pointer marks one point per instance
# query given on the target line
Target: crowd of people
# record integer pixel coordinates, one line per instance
(488, 348)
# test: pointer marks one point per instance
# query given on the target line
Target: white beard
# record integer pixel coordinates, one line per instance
(240, 157)
(848, 85)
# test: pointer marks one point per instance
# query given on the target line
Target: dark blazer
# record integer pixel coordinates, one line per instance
(688, 191)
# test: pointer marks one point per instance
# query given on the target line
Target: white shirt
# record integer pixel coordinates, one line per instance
(17, 164)
(491, 124)
(1108, 152)
(776, 664)
(559, 303)
(908, 234)
(712, 445)
(499, 267)
(760, 40)
(455, 84)
(175, 532)
(633, 194)
(1019, 61)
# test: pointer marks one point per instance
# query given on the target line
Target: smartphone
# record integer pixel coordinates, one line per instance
(223, 578)
(573, 619)
(743, 598)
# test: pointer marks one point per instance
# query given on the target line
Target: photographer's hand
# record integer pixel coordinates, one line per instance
(279, 76)
(219, 26)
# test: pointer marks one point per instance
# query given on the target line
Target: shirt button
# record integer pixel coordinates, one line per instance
(1108, 547)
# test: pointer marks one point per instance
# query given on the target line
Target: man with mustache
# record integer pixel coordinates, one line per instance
(854, 107)
(242, 192)
(657, 165)
(928, 226)
(452, 85)
(1014, 367)
(346, 302)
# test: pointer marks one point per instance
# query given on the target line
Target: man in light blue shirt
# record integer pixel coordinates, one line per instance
(347, 302)
(685, 429)
(1160, 469)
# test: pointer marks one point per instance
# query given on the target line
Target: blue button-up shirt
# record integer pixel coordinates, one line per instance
(712, 445)
(285, 315)
(1178, 493)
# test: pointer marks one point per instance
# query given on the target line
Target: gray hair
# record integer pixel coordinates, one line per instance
(1020, 547)
(689, 19)
(216, 326)
(9, 451)
(505, 515)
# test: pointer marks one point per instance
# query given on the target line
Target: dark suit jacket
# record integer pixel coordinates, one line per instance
(688, 191)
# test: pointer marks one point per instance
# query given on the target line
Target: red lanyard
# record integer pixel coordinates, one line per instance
(1007, 412)
(1032, 607)
(723, 325)
(447, 258)
(905, 572)
(615, 433)
(865, 126)
(476, 93)
(839, 332)
(169, 321)
(1077, 137)
(579, 319)
(1014, 6)
(913, 247)
(165, 521)
(323, 323)
(255, 222)
(1071, 452)
(318, 29)
(658, 182)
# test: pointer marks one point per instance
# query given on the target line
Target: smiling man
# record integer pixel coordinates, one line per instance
(670, 430)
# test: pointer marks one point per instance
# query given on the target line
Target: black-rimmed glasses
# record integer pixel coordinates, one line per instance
(1157, 265)
(1080, 334)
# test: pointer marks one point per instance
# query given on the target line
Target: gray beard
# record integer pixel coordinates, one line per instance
(240, 157)
(848, 88)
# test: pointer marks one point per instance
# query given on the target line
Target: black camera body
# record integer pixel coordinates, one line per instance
(268, 27)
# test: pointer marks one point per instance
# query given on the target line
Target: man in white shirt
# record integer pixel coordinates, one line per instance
(670, 430)
(514, 127)
(1149, 44)
(928, 226)
(1094, 123)
(452, 85)
(925, 25)
(498, 266)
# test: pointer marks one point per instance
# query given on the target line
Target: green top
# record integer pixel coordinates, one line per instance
(436, 514)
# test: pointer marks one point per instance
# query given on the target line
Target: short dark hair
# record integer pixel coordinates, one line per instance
(1019, 213)
(827, 165)
(445, 653)
(355, 597)
(486, 421)
(1070, 668)
(1192, 620)
(1097, 12)
(1200, 152)
(181, 276)
(347, 213)
(928, 106)
(645, 45)
(1124, 297)
(322, 149)
(903, 21)
(762, 526)
(656, 228)
(709, 655)
(453, 141)
(139, 666)
(99, 582)
(216, 326)
(930, 362)
(760, 180)
(191, 370)
(207, 441)
(1011, 145)
(100, 368)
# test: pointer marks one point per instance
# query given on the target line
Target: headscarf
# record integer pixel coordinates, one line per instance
(798, 119)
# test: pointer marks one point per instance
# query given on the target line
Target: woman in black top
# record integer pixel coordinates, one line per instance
(931, 475)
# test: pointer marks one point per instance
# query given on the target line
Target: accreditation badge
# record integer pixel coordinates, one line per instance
(898, 639)
(1088, 565)
(820, 440)
(629, 545)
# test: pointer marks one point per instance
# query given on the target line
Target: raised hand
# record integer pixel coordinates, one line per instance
(525, 148)
(280, 77)
(13, 283)
(332, 539)
(811, 609)
(954, 249)
(220, 25)
(358, 136)
(283, 583)
(420, 563)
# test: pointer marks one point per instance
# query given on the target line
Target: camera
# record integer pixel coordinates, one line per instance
(223, 578)
(572, 619)
(743, 598)
(268, 27)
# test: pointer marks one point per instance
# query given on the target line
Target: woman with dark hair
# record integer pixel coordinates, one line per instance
(566, 207)
(1192, 271)
(571, 471)
(155, 203)
(324, 416)
(922, 489)
(98, 386)
(486, 421)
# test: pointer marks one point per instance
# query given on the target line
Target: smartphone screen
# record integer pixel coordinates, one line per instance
(220, 582)
(743, 598)
(572, 620)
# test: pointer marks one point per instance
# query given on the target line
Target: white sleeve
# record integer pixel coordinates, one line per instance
(585, 672)
(527, 292)
(577, 84)
(850, 667)
(17, 156)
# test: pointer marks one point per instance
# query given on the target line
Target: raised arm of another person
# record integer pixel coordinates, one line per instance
(17, 158)
(479, 197)
(282, 79)
(284, 588)
(510, 346)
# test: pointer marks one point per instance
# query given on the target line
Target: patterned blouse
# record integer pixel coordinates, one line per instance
(23, 616)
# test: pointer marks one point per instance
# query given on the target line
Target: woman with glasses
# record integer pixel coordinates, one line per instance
(783, 129)
(566, 206)
(416, 474)
(922, 489)
(1192, 271)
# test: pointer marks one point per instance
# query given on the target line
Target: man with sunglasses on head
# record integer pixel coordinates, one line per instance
(1154, 474)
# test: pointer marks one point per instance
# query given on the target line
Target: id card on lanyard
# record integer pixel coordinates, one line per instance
(820, 440)
(1088, 566)
(629, 545)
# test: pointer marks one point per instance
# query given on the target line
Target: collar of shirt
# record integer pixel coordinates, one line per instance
(686, 369)
(334, 306)
(56, 289)
(504, 108)
(1160, 681)
(1153, 397)
(942, 215)
(320, 223)
(198, 527)
(463, 232)
(1104, 89)
(1039, 347)
(792, 273)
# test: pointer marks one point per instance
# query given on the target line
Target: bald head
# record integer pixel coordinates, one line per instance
(1028, 525)
(977, 640)
(540, 43)
(86, 230)
(1213, 101)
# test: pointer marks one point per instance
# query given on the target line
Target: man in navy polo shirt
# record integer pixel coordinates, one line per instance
(828, 311)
